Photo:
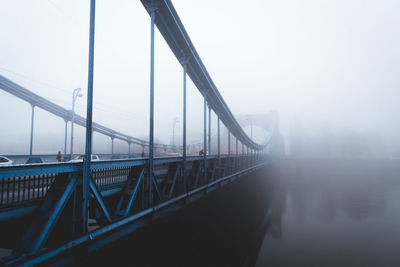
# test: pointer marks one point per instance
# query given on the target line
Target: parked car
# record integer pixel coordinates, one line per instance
(5, 161)
(80, 158)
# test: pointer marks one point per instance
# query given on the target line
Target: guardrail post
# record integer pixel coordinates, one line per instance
(32, 124)
(89, 109)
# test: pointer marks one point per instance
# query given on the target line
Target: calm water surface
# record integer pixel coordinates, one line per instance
(343, 215)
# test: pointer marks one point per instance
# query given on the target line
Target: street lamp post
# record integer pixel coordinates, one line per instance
(75, 95)
(174, 122)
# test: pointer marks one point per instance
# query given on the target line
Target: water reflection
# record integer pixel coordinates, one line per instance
(343, 217)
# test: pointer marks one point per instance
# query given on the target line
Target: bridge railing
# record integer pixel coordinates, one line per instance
(28, 184)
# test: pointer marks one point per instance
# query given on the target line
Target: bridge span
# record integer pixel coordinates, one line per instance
(69, 209)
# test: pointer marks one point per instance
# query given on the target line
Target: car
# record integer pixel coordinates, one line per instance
(5, 161)
(80, 158)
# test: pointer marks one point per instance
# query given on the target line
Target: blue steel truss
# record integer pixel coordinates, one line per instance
(121, 196)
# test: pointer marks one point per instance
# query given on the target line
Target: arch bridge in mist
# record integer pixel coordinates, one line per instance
(85, 205)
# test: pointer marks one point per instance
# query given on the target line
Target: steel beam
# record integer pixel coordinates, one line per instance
(151, 134)
(89, 110)
(184, 129)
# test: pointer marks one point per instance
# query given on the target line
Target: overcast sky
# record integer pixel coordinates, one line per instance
(327, 63)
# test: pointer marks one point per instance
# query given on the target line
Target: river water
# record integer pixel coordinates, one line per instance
(334, 213)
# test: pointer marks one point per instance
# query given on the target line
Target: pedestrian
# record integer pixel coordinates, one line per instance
(201, 152)
(59, 156)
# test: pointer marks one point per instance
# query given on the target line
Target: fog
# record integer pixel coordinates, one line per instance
(330, 68)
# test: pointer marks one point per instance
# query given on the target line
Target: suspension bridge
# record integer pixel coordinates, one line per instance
(80, 207)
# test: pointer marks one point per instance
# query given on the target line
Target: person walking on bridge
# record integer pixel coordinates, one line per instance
(59, 156)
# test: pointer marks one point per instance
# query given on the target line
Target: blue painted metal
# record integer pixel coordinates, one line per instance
(32, 123)
(98, 238)
(184, 129)
(89, 110)
(134, 194)
(98, 196)
(75, 167)
(38, 169)
(35, 236)
(151, 134)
